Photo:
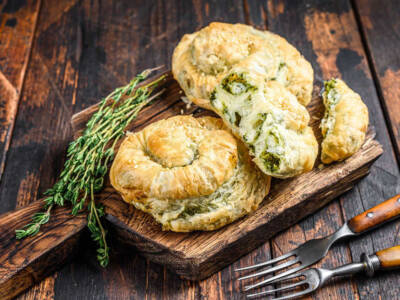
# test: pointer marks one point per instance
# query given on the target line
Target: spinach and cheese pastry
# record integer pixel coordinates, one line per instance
(269, 120)
(345, 121)
(188, 173)
(203, 58)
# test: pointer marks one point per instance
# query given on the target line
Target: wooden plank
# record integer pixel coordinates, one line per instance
(97, 288)
(380, 27)
(22, 262)
(17, 27)
(18, 23)
(42, 126)
(329, 38)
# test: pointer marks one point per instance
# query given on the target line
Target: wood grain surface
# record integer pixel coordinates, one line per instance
(379, 25)
(71, 53)
(28, 261)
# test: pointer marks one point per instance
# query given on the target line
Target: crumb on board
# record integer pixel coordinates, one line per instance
(320, 166)
(187, 101)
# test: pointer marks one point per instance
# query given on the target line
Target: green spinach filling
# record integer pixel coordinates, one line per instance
(331, 98)
(330, 93)
(236, 84)
(213, 96)
(238, 118)
(271, 160)
(270, 156)
(257, 126)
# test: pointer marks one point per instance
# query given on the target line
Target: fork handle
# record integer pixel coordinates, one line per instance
(377, 215)
(389, 258)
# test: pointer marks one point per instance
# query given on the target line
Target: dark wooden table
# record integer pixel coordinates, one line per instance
(58, 57)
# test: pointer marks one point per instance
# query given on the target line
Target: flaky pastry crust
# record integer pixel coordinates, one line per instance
(190, 174)
(345, 122)
(203, 58)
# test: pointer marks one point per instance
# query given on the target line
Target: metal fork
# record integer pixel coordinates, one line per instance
(317, 277)
(314, 250)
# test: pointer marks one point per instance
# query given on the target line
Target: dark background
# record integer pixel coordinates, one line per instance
(58, 57)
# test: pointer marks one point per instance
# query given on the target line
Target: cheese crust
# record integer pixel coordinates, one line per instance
(189, 174)
(203, 58)
(345, 122)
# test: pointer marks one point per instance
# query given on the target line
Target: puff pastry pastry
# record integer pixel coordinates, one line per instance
(203, 58)
(188, 173)
(269, 120)
(345, 121)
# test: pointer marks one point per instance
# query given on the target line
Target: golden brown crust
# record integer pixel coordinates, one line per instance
(181, 165)
(345, 122)
(174, 158)
(203, 58)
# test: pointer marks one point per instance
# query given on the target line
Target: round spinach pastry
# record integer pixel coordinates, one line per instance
(188, 173)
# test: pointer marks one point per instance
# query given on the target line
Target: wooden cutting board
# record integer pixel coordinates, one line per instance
(193, 255)
(197, 255)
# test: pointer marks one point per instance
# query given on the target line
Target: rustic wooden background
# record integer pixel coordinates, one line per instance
(58, 57)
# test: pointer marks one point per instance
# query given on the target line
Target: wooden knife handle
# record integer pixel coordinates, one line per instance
(377, 215)
(389, 258)
(27, 261)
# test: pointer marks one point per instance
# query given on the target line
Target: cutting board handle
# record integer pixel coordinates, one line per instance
(24, 262)
(377, 215)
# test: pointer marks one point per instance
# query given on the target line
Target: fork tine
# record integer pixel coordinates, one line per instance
(271, 270)
(269, 262)
(289, 277)
(295, 295)
(274, 279)
(284, 288)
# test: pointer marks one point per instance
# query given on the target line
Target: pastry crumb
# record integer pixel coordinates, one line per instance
(187, 101)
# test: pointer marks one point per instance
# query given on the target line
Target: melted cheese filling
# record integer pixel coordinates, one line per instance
(259, 123)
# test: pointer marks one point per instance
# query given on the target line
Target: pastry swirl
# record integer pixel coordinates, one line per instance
(190, 174)
(345, 121)
(203, 58)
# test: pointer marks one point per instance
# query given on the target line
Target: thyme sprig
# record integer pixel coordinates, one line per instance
(88, 157)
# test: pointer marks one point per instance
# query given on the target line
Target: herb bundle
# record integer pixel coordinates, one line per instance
(88, 157)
